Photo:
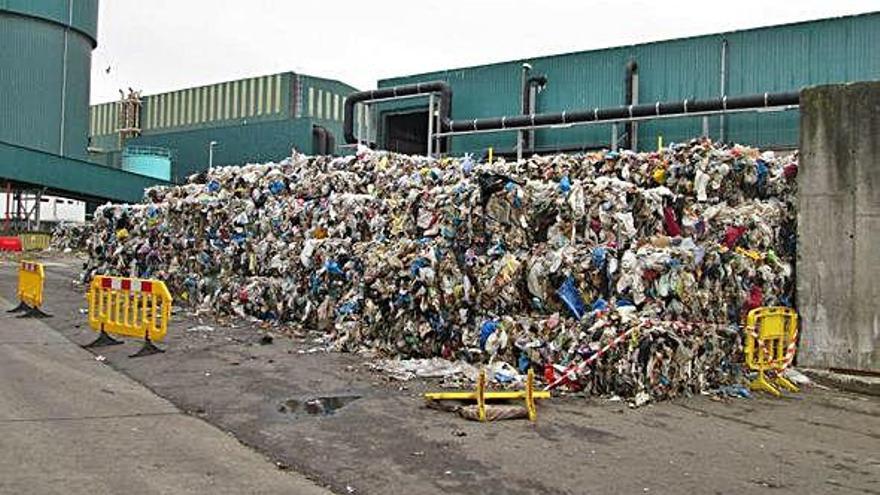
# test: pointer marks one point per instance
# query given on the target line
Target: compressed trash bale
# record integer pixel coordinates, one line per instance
(70, 236)
(537, 263)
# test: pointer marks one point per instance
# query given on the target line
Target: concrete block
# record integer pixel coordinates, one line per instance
(839, 226)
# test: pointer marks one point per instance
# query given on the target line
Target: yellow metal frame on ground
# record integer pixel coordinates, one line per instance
(769, 332)
(529, 395)
(130, 307)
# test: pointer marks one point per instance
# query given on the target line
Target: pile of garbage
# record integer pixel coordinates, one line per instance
(71, 236)
(611, 272)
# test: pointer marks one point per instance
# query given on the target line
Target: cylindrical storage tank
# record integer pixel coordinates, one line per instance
(45, 63)
(151, 161)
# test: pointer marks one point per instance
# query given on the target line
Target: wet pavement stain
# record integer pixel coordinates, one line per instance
(318, 406)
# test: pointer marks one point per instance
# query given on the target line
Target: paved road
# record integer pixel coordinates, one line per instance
(70, 424)
(387, 442)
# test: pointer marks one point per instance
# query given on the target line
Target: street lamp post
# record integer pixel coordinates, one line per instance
(211, 154)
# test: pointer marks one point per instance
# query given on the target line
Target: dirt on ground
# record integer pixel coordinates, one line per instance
(374, 435)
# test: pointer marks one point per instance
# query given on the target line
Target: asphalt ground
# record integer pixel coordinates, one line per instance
(386, 441)
(71, 425)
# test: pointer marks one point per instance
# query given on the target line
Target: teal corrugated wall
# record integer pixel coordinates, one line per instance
(253, 120)
(778, 58)
(43, 100)
(257, 142)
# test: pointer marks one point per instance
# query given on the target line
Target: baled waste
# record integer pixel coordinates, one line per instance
(616, 273)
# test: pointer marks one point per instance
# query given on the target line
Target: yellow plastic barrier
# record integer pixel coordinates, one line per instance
(771, 342)
(131, 307)
(482, 396)
(31, 276)
(34, 242)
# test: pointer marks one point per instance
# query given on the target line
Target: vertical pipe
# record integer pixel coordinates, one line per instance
(533, 106)
(634, 143)
(705, 126)
(430, 125)
(360, 123)
(614, 137)
(631, 98)
(367, 119)
(520, 135)
(721, 132)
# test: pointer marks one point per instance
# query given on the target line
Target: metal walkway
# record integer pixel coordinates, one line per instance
(70, 177)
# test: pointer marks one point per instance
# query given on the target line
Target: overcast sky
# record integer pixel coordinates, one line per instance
(161, 45)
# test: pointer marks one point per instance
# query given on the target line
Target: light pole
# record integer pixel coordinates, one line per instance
(211, 154)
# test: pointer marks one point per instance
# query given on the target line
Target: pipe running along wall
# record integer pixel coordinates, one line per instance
(406, 90)
(685, 107)
(448, 126)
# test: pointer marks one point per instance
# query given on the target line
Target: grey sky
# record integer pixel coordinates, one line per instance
(160, 45)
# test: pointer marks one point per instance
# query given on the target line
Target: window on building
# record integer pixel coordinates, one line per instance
(277, 107)
(261, 94)
(328, 107)
(252, 100)
(319, 105)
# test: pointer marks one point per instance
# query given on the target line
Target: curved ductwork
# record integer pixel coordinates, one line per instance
(319, 140)
(440, 87)
(658, 109)
(323, 141)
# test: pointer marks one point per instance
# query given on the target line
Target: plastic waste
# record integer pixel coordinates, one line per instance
(541, 263)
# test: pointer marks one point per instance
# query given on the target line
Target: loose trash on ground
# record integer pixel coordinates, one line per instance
(608, 273)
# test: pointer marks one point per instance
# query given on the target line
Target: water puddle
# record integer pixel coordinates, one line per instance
(319, 406)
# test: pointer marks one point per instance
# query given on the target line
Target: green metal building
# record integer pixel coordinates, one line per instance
(45, 63)
(251, 120)
(772, 59)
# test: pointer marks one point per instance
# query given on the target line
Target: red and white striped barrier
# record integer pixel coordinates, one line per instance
(30, 266)
(791, 350)
(572, 372)
(131, 285)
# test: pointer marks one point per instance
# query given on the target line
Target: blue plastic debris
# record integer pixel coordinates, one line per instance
(276, 187)
(565, 184)
(571, 296)
(486, 330)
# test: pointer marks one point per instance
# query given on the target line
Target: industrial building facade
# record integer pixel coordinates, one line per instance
(772, 59)
(250, 120)
(261, 119)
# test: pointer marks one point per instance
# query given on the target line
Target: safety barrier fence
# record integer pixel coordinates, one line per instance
(129, 307)
(770, 347)
(31, 279)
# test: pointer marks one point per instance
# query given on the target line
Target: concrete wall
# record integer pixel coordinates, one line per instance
(839, 226)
